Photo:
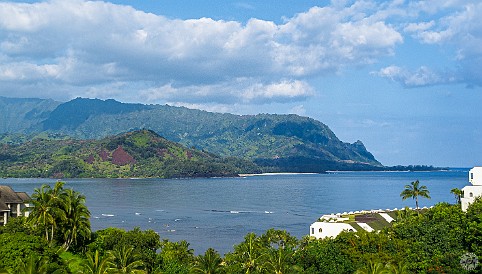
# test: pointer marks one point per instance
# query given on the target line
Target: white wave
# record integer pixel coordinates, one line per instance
(137, 213)
(107, 215)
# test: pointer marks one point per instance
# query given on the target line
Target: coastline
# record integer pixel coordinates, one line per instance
(277, 173)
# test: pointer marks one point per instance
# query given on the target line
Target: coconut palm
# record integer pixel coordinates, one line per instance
(96, 264)
(458, 194)
(209, 263)
(373, 267)
(33, 265)
(400, 268)
(43, 213)
(250, 253)
(126, 261)
(413, 190)
(77, 218)
(279, 261)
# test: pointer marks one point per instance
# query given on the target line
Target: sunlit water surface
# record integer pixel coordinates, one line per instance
(219, 212)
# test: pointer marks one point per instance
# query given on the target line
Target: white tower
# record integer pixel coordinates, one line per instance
(473, 191)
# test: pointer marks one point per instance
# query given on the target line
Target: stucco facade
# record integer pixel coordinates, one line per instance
(326, 229)
(475, 176)
(473, 191)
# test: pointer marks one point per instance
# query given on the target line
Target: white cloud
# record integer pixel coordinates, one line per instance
(75, 43)
(86, 48)
(246, 90)
(298, 109)
(423, 76)
(453, 24)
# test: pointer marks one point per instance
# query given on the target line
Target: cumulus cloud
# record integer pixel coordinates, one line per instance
(454, 24)
(242, 90)
(423, 76)
(94, 44)
(94, 48)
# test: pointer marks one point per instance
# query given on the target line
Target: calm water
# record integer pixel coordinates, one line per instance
(218, 212)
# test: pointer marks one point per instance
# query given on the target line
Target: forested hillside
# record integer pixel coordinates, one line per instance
(277, 142)
(135, 154)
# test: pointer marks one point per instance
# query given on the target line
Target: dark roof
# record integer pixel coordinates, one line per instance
(3, 207)
(24, 196)
(7, 195)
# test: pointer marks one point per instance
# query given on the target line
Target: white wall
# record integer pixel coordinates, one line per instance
(328, 229)
(475, 176)
(470, 193)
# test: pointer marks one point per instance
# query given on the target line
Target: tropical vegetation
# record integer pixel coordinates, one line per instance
(415, 190)
(431, 241)
(278, 142)
(141, 153)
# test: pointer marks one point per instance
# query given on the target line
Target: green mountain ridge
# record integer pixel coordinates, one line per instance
(140, 153)
(276, 142)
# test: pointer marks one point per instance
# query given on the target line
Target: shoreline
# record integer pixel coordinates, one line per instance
(277, 173)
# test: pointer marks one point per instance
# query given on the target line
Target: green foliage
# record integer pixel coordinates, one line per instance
(209, 263)
(125, 260)
(429, 241)
(143, 243)
(61, 214)
(323, 256)
(134, 154)
(413, 190)
(95, 263)
(458, 193)
(280, 138)
(17, 225)
(19, 251)
(175, 257)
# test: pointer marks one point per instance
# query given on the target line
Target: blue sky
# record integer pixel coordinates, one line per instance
(403, 76)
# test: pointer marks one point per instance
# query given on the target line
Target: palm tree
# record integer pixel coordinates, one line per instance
(96, 264)
(34, 265)
(250, 253)
(458, 194)
(400, 268)
(42, 213)
(403, 214)
(373, 267)
(413, 190)
(77, 218)
(209, 263)
(126, 261)
(279, 261)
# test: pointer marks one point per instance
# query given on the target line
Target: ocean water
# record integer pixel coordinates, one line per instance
(219, 212)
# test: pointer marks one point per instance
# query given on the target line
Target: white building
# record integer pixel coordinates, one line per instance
(473, 191)
(326, 229)
(333, 224)
(12, 204)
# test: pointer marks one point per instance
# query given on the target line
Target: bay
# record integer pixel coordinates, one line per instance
(219, 212)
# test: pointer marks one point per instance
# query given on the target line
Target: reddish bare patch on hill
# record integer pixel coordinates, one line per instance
(121, 157)
(103, 155)
(90, 160)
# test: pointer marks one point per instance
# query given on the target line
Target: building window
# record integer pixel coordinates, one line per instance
(320, 230)
(471, 176)
(312, 230)
(471, 194)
